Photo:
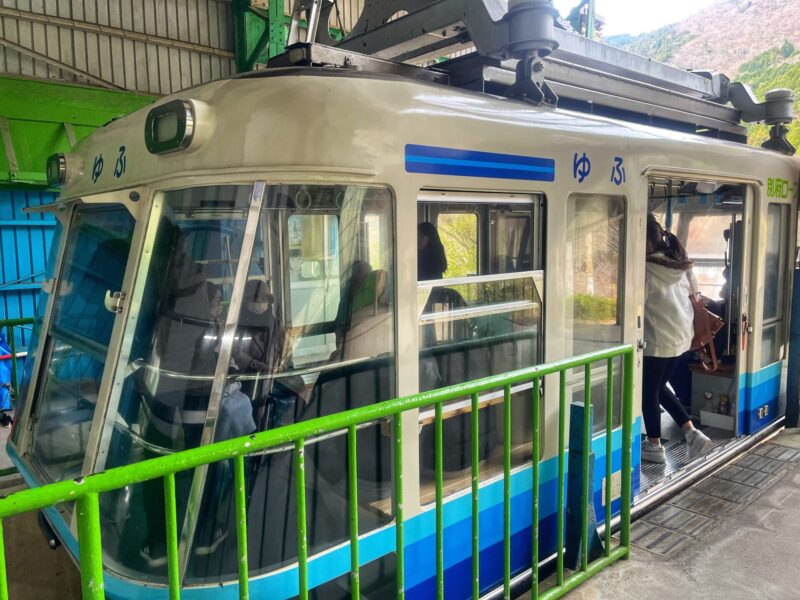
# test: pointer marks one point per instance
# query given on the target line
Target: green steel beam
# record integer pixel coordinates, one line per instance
(590, 20)
(251, 29)
(278, 25)
(38, 118)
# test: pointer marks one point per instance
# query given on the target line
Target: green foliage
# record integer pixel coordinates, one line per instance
(594, 309)
(778, 67)
(459, 235)
(659, 45)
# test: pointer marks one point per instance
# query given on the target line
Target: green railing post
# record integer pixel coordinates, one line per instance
(85, 491)
(90, 546)
(476, 552)
(507, 492)
(240, 496)
(587, 448)
(302, 539)
(173, 569)
(535, 492)
(398, 504)
(627, 443)
(562, 421)
(609, 449)
(3, 574)
(439, 503)
(352, 470)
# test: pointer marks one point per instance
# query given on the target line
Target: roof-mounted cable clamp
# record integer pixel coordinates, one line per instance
(530, 85)
(530, 39)
(530, 27)
(775, 111)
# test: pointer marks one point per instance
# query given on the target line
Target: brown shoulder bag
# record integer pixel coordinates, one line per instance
(706, 326)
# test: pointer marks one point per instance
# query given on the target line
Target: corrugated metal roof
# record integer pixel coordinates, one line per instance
(143, 45)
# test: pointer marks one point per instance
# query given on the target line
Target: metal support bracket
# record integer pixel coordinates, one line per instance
(779, 141)
(8, 145)
(317, 12)
(530, 85)
(303, 55)
(776, 110)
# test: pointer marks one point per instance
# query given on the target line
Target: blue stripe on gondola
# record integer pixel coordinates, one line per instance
(471, 163)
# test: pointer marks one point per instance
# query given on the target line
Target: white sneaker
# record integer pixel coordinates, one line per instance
(697, 442)
(653, 453)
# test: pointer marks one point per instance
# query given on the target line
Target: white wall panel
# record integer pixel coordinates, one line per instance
(154, 46)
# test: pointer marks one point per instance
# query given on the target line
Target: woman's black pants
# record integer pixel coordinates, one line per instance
(655, 375)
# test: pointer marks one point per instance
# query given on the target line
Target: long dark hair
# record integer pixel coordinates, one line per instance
(667, 249)
(431, 260)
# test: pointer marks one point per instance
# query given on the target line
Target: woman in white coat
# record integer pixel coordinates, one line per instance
(668, 332)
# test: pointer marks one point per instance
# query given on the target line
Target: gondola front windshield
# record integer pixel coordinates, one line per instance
(74, 352)
(303, 287)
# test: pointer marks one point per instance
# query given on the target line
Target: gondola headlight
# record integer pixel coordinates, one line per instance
(170, 127)
(57, 169)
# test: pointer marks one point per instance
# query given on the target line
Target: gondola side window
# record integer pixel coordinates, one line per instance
(314, 342)
(314, 337)
(594, 296)
(775, 265)
(483, 318)
(594, 284)
(34, 336)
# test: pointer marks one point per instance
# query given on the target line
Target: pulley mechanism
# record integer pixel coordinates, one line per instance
(530, 39)
(775, 111)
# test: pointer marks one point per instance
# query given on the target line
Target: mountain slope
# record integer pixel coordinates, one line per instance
(752, 41)
(722, 36)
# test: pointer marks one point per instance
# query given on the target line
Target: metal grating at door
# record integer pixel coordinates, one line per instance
(672, 528)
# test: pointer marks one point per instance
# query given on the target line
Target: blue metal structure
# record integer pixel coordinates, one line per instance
(24, 248)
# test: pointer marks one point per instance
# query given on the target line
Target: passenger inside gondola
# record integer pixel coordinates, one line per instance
(431, 258)
(175, 406)
(708, 222)
(261, 336)
(668, 333)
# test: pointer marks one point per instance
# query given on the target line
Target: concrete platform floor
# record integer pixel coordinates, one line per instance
(735, 543)
(34, 570)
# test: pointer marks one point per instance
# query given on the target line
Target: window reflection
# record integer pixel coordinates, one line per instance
(594, 292)
(311, 344)
(94, 261)
(594, 271)
(485, 319)
(775, 265)
(313, 336)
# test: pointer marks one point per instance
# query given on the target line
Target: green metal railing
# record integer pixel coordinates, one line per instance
(85, 491)
(9, 325)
